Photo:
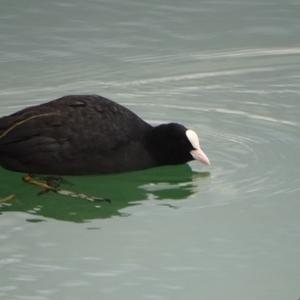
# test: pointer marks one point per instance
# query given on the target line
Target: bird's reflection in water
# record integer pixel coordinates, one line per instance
(124, 190)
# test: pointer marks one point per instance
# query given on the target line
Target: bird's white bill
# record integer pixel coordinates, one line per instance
(198, 154)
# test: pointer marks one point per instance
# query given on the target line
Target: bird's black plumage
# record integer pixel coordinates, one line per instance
(87, 134)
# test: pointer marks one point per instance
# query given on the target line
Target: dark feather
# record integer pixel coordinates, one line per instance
(70, 135)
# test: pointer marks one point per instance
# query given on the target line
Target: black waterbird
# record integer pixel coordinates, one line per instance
(89, 134)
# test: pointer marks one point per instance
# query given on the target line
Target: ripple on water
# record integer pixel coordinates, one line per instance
(250, 147)
(250, 152)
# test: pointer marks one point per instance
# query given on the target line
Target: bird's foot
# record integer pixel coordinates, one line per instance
(7, 198)
(53, 183)
(45, 185)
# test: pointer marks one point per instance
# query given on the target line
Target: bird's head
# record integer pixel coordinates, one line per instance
(175, 144)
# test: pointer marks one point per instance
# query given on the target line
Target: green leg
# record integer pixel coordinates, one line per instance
(52, 184)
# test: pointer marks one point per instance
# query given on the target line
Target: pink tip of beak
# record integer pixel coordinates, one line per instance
(198, 154)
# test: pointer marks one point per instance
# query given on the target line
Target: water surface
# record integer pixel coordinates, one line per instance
(229, 70)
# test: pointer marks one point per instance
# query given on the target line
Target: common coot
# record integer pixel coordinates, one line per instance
(89, 134)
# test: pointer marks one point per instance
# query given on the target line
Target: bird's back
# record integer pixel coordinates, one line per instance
(76, 134)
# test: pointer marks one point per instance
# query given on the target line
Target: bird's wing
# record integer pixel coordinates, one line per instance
(68, 126)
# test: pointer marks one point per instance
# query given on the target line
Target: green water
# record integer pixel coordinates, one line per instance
(229, 70)
(122, 190)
